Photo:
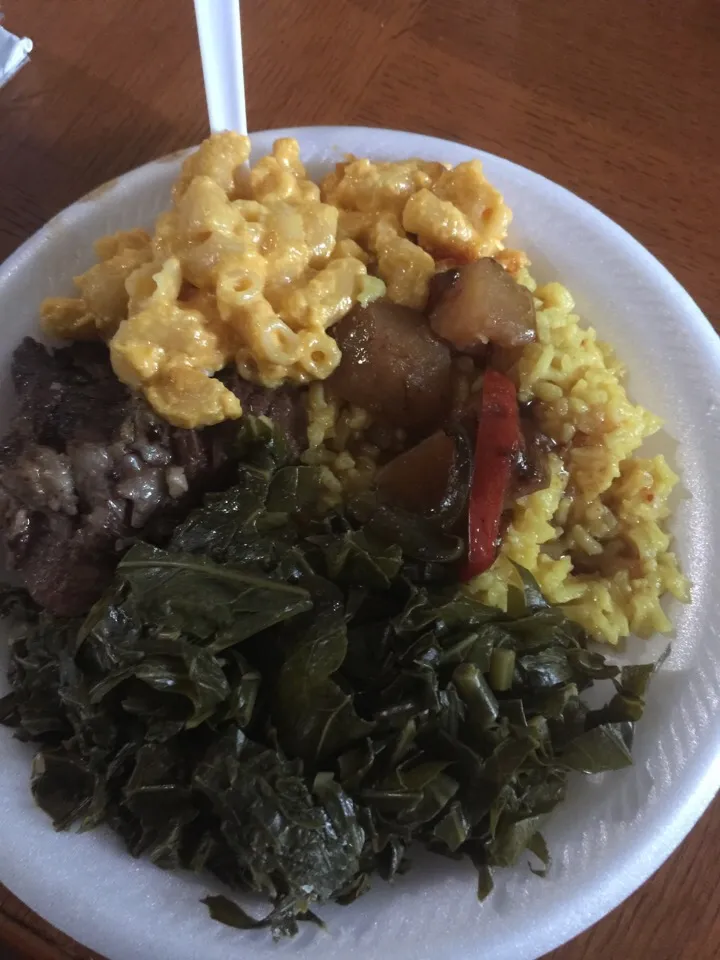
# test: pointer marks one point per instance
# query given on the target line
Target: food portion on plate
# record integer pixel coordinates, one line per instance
(317, 518)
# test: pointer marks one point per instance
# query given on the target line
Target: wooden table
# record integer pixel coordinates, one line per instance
(615, 99)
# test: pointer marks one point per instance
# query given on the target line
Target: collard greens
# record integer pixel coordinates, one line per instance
(289, 698)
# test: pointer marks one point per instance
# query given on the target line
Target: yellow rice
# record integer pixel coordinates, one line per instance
(594, 538)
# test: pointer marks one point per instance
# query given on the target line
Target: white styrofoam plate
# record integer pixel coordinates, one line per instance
(615, 830)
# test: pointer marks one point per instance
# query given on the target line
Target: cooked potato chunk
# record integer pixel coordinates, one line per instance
(393, 366)
(480, 303)
(417, 478)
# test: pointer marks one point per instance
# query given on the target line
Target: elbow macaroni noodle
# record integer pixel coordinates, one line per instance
(254, 266)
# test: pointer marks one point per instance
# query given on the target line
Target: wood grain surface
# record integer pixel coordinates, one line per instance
(618, 100)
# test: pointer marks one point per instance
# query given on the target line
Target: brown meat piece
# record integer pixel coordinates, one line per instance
(67, 569)
(86, 464)
(393, 366)
(67, 394)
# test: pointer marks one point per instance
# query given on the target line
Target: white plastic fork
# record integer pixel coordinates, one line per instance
(218, 25)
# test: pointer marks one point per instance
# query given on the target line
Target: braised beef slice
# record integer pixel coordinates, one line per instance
(67, 573)
(69, 394)
(86, 465)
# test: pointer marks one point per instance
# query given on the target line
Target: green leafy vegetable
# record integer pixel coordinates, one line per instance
(502, 666)
(222, 603)
(315, 716)
(537, 845)
(597, 750)
(282, 919)
(288, 698)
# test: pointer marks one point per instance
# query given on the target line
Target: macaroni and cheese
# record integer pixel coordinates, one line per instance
(254, 266)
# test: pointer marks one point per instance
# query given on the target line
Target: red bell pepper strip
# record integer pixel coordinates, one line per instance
(498, 437)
